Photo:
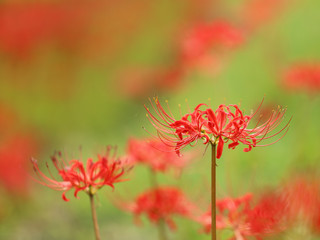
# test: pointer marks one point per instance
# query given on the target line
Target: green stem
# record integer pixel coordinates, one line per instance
(213, 192)
(94, 217)
(153, 178)
(161, 224)
(162, 230)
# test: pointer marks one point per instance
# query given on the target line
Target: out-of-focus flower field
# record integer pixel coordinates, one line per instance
(75, 76)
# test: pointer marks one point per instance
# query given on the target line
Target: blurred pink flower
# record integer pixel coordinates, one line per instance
(107, 170)
(227, 123)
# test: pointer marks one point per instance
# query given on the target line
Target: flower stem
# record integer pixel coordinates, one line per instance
(213, 192)
(161, 224)
(162, 230)
(94, 217)
(153, 178)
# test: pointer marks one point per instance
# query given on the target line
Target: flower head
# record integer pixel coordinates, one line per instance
(155, 154)
(107, 170)
(226, 124)
(161, 204)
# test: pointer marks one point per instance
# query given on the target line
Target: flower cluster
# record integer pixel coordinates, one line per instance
(107, 170)
(161, 204)
(227, 123)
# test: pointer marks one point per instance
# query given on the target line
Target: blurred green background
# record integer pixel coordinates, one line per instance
(77, 73)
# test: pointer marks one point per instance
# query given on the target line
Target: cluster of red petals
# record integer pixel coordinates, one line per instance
(162, 203)
(155, 154)
(227, 123)
(303, 76)
(264, 219)
(107, 170)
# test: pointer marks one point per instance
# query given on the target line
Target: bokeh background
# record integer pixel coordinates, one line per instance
(76, 74)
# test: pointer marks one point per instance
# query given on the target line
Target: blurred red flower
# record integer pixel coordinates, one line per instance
(303, 76)
(303, 195)
(26, 26)
(155, 154)
(16, 147)
(199, 39)
(266, 218)
(162, 203)
(14, 155)
(217, 127)
(107, 170)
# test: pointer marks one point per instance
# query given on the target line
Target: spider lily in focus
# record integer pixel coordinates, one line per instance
(226, 124)
(107, 170)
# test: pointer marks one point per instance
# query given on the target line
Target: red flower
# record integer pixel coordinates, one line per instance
(155, 154)
(303, 76)
(161, 204)
(108, 170)
(270, 215)
(266, 218)
(227, 123)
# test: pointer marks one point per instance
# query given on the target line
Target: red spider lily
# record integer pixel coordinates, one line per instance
(236, 213)
(303, 76)
(155, 154)
(227, 123)
(108, 170)
(162, 204)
